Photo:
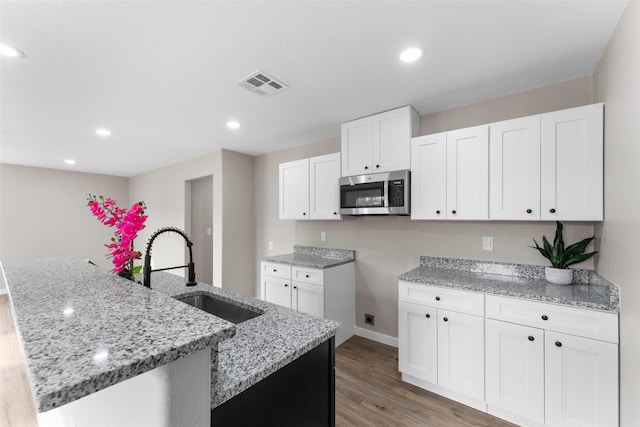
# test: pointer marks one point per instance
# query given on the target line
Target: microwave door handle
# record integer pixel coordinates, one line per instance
(385, 201)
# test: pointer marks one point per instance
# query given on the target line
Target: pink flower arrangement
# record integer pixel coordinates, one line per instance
(127, 223)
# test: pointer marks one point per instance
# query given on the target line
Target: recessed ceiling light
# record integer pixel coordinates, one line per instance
(6, 50)
(411, 54)
(70, 162)
(103, 132)
(233, 125)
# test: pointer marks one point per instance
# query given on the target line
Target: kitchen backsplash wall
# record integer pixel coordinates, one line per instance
(388, 246)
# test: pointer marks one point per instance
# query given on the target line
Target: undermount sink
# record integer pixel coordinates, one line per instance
(228, 311)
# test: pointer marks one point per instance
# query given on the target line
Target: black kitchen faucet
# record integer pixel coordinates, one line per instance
(147, 258)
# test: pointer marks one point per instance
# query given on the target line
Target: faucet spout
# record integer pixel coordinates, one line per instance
(191, 276)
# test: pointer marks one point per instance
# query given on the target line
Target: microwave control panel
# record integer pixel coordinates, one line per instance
(396, 192)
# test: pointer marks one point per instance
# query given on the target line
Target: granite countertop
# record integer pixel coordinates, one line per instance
(261, 346)
(590, 290)
(314, 257)
(83, 329)
(70, 315)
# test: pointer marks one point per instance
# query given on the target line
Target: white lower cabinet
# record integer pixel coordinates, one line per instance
(531, 363)
(441, 341)
(328, 293)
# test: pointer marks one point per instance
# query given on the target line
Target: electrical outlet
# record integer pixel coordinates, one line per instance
(369, 319)
(323, 236)
(487, 243)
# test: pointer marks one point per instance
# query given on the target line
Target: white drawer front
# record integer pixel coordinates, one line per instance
(445, 298)
(276, 270)
(576, 321)
(308, 275)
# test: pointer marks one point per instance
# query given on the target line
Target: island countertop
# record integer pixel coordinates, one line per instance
(83, 329)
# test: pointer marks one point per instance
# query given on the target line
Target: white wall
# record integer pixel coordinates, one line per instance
(616, 82)
(388, 246)
(44, 213)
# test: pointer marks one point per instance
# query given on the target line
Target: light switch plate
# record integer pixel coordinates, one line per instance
(323, 236)
(487, 243)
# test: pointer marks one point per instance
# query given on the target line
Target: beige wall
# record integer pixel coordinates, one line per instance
(616, 82)
(164, 192)
(388, 246)
(43, 213)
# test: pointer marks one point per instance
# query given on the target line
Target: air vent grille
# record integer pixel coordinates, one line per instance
(262, 84)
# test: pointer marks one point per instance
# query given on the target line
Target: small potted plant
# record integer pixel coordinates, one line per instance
(562, 257)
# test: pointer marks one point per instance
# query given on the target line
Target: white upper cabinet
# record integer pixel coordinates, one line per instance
(309, 188)
(379, 143)
(450, 175)
(515, 169)
(571, 157)
(324, 191)
(429, 177)
(294, 190)
(468, 173)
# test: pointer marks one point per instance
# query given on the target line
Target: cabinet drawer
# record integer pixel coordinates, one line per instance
(276, 270)
(576, 321)
(308, 275)
(444, 298)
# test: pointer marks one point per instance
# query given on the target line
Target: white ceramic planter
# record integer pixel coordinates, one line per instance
(559, 276)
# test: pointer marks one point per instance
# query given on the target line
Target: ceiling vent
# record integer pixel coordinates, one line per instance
(262, 84)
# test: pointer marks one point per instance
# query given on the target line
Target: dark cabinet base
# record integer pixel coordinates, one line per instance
(300, 394)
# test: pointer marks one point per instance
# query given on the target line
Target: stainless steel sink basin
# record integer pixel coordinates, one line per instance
(228, 311)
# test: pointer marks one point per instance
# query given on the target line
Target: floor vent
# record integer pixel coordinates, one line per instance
(262, 84)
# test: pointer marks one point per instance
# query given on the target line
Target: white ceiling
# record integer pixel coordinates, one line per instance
(160, 75)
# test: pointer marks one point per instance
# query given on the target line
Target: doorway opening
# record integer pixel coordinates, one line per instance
(199, 225)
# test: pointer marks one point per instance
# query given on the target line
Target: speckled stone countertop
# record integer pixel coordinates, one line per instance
(313, 257)
(71, 314)
(83, 329)
(261, 346)
(589, 290)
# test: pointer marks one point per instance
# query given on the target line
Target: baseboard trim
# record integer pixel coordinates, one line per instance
(376, 336)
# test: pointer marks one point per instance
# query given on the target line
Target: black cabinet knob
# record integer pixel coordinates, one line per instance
(274, 270)
(528, 210)
(552, 210)
(427, 315)
(366, 167)
(446, 319)
(531, 338)
(558, 344)
(437, 298)
(295, 287)
(437, 212)
(335, 213)
(377, 166)
(453, 211)
(304, 213)
(286, 286)
(306, 275)
(545, 317)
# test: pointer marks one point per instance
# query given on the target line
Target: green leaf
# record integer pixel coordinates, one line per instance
(137, 269)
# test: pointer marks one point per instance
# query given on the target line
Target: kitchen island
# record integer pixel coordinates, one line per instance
(85, 332)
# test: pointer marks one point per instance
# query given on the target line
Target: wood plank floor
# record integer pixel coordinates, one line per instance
(369, 391)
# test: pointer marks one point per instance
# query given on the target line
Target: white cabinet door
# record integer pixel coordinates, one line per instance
(392, 134)
(468, 173)
(515, 169)
(515, 369)
(277, 291)
(324, 194)
(572, 164)
(461, 353)
(429, 177)
(418, 341)
(308, 298)
(357, 147)
(294, 190)
(581, 381)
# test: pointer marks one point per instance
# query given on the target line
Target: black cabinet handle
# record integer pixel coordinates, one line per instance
(437, 212)
(552, 210)
(545, 317)
(445, 319)
(437, 298)
(558, 344)
(531, 338)
(427, 315)
(366, 167)
(453, 211)
(528, 210)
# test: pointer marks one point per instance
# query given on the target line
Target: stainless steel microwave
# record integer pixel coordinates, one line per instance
(376, 194)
